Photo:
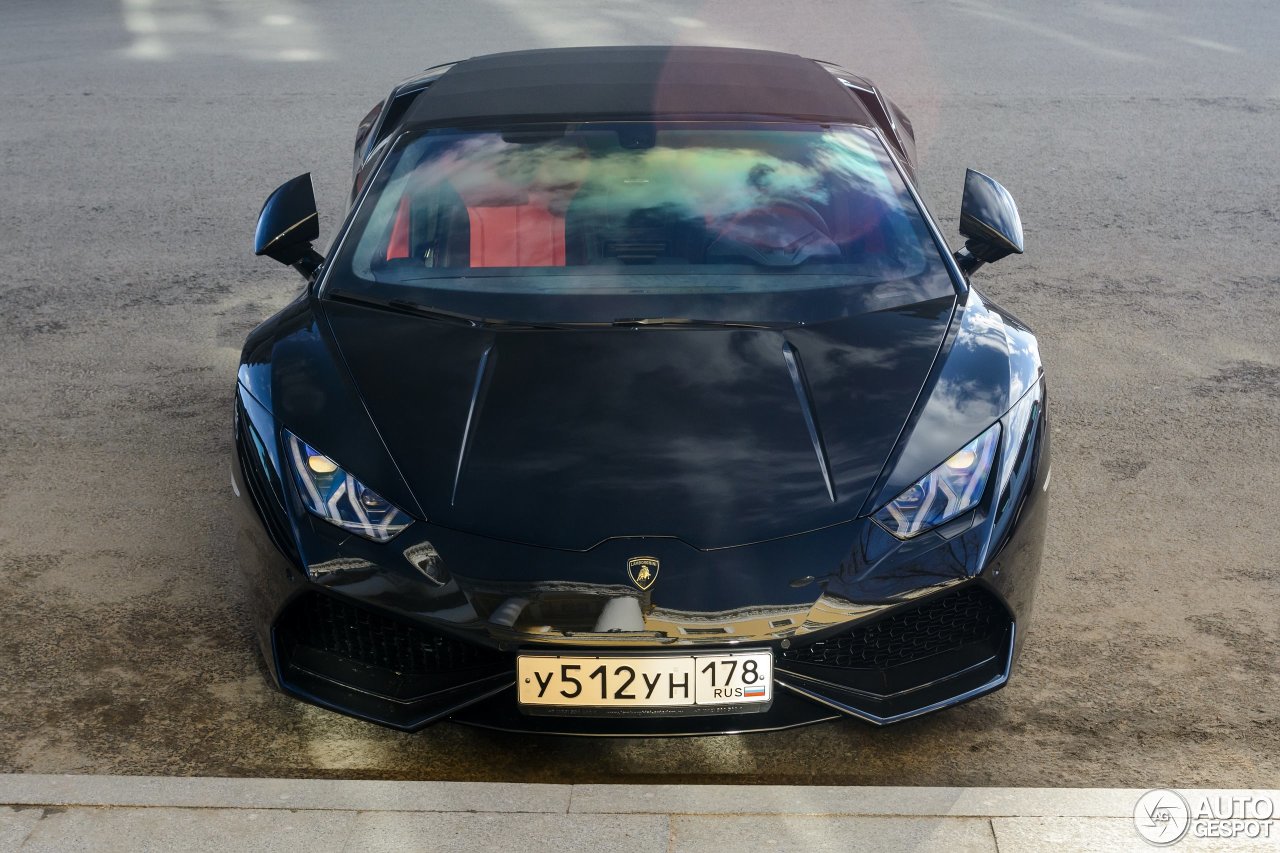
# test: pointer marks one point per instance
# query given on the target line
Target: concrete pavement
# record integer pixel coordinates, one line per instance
(110, 813)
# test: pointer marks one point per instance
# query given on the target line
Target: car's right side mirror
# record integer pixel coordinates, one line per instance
(989, 222)
(287, 226)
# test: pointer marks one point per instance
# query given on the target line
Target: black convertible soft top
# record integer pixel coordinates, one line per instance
(573, 84)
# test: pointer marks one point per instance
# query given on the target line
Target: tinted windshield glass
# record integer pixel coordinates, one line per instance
(666, 217)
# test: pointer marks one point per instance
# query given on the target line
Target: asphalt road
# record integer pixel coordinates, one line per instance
(137, 142)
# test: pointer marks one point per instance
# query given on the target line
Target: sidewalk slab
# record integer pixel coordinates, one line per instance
(127, 813)
(396, 832)
(786, 834)
(1104, 835)
(126, 830)
(209, 792)
(16, 825)
(816, 800)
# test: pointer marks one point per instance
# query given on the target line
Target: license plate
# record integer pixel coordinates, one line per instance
(694, 682)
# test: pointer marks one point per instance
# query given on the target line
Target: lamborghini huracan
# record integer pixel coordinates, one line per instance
(639, 394)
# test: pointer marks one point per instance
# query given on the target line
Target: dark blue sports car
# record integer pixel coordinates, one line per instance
(639, 394)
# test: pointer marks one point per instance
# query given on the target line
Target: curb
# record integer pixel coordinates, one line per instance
(518, 798)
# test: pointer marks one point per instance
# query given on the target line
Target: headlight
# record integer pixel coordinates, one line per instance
(338, 498)
(948, 490)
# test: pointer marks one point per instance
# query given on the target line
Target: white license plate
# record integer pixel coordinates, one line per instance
(648, 681)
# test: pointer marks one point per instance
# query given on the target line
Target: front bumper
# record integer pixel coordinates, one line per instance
(948, 647)
(896, 630)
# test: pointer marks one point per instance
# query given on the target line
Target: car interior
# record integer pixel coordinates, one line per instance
(600, 217)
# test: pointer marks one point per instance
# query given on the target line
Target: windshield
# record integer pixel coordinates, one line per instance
(594, 221)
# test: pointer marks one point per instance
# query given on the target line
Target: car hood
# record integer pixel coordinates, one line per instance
(565, 438)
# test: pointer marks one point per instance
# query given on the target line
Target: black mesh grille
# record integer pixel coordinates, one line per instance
(367, 637)
(941, 625)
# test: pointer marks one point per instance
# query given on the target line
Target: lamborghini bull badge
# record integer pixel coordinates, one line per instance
(643, 571)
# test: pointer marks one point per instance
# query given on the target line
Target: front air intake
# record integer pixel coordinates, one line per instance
(360, 635)
(380, 666)
(940, 625)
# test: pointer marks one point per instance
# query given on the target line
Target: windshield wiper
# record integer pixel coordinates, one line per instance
(405, 306)
(692, 323)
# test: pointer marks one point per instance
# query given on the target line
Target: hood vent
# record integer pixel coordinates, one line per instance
(478, 389)
(798, 381)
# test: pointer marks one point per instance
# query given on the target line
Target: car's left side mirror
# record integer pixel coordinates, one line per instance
(989, 221)
(288, 225)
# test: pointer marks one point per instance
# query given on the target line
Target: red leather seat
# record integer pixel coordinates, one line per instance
(525, 234)
(398, 245)
(516, 235)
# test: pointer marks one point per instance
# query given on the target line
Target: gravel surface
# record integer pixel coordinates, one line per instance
(138, 142)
